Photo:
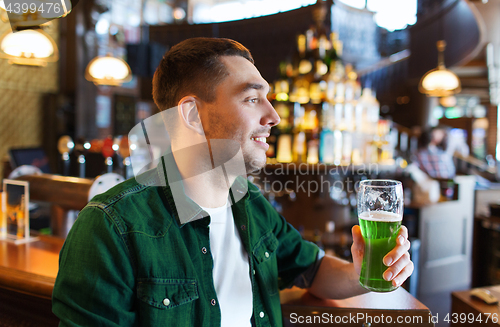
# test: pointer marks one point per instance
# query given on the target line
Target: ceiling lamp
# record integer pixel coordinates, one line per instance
(439, 82)
(108, 70)
(4, 17)
(448, 102)
(28, 47)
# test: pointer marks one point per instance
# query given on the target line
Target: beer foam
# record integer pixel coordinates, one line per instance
(380, 216)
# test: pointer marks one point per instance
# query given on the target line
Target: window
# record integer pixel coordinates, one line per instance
(235, 10)
(359, 4)
(389, 14)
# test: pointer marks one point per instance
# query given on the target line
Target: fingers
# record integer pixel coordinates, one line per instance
(398, 260)
(403, 232)
(403, 274)
(400, 270)
(402, 247)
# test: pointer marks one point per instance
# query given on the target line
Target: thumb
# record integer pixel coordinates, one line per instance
(357, 248)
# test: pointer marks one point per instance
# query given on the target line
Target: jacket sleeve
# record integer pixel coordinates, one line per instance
(298, 259)
(95, 282)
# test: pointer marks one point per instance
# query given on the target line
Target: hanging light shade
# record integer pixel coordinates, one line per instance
(439, 82)
(36, 12)
(108, 70)
(3, 13)
(28, 47)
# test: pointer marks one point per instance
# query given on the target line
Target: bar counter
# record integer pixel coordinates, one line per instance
(30, 268)
(27, 275)
(28, 272)
(379, 309)
(467, 310)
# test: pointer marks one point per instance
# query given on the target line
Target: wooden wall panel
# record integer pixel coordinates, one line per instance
(21, 96)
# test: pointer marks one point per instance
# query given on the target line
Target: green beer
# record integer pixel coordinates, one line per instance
(380, 230)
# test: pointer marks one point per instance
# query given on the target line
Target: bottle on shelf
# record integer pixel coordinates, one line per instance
(283, 128)
(299, 147)
(326, 115)
(326, 138)
(284, 152)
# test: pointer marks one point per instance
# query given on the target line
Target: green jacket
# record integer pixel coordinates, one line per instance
(128, 261)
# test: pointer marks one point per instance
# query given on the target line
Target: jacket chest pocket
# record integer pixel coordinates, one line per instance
(266, 264)
(168, 301)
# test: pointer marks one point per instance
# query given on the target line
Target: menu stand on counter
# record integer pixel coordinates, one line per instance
(15, 212)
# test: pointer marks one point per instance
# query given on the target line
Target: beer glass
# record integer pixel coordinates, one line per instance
(380, 211)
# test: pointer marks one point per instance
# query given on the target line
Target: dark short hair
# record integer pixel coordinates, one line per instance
(193, 67)
(426, 137)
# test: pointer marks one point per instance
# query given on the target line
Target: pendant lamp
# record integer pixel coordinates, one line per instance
(108, 70)
(32, 47)
(439, 82)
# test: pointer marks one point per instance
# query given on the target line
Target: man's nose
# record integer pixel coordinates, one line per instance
(270, 117)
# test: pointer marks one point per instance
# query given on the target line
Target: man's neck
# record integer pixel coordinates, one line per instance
(207, 187)
(209, 190)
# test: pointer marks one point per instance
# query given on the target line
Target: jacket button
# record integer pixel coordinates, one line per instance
(253, 271)
(166, 302)
(243, 227)
(213, 302)
(266, 254)
(261, 314)
(204, 250)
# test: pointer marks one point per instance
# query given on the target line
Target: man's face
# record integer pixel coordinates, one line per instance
(438, 136)
(241, 111)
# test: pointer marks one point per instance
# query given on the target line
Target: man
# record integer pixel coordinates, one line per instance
(142, 255)
(432, 157)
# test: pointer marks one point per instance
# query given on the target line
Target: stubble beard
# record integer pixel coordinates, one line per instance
(252, 164)
(221, 131)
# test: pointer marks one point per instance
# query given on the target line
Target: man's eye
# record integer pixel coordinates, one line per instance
(253, 100)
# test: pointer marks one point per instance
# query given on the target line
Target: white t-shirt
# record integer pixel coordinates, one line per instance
(231, 269)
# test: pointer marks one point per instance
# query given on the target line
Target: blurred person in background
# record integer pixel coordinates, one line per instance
(432, 156)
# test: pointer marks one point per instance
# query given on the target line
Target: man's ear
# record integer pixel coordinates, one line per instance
(188, 113)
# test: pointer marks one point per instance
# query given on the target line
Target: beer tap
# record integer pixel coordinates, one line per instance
(116, 148)
(81, 148)
(81, 166)
(108, 152)
(124, 152)
(65, 146)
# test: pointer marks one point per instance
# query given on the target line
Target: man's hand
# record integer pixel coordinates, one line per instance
(398, 259)
(339, 279)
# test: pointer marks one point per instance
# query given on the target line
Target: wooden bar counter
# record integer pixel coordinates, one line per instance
(467, 310)
(28, 272)
(380, 309)
(27, 275)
